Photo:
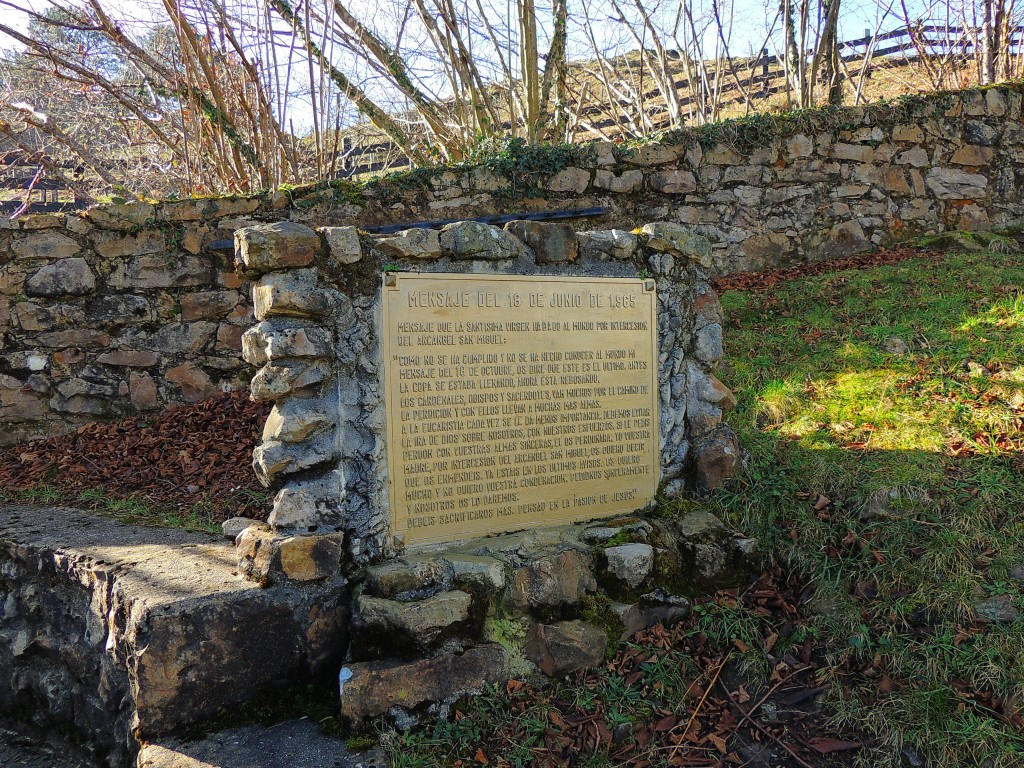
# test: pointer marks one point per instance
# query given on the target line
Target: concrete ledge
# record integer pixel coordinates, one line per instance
(123, 632)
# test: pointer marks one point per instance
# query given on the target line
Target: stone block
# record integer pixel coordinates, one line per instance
(473, 240)
(915, 156)
(911, 133)
(551, 243)
(708, 345)
(955, 184)
(207, 305)
(477, 572)
(375, 688)
(297, 419)
(418, 623)
(306, 505)
(194, 382)
(128, 358)
(121, 216)
(143, 391)
(672, 182)
(283, 338)
(343, 244)
(972, 155)
(292, 294)
(229, 337)
(410, 576)
(273, 382)
(668, 237)
(272, 460)
(281, 245)
(630, 563)
(166, 270)
(627, 181)
(181, 338)
(717, 459)
(558, 649)
(83, 338)
(45, 245)
(575, 180)
(67, 277)
(553, 581)
(310, 558)
(117, 246)
(607, 244)
(412, 244)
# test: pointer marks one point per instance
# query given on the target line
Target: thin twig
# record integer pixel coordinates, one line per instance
(696, 710)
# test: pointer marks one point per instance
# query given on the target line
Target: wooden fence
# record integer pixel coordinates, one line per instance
(758, 79)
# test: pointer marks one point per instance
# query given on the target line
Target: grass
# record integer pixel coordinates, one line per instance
(918, 458)
(893, 481)
(134, 511)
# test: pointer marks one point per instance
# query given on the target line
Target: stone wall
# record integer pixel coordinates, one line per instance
(126, 307)
(767, 191)
(118, 312)
(318, 299)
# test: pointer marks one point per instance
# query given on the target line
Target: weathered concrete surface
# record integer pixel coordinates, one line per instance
(293, 744)
(124, 632)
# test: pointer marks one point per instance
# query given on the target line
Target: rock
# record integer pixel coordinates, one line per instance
(207, 305)
(310, 558)
(855, 152)
(70, 277)
(555, 580)
(273, 459)
(558, 649)
(708, 345)
(603, 245)
(551, 243)
(373, 688)
(45, 245)
(121, 215)
(412, 244)
(631, 563)
(306, 505)
(297, 419)
(955, 184)
(799, 145)
(162, 271)
(281, 245)
(477, 572)
(420, 623)
(410, 576)
(627, 181)
(638, 617)
(672, 238)
(998, 609)
(194, 382)
(343, 244)
(292, 294)
(235, 525)
(283, 338)
(273, 382)
(569, 180)
(972, 155)
(894, 345)
(672, 182)
(143, 391)
(473, 240)
(718, 459)
(256, 550)
(181, 338)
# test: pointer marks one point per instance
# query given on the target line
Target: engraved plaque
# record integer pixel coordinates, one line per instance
(514, 402)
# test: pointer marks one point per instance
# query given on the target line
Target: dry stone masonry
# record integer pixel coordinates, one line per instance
(318, 340)
(127, 308)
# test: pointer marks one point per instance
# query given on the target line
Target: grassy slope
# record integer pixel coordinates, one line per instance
(920, 461)
(893, 482)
